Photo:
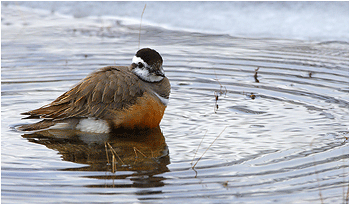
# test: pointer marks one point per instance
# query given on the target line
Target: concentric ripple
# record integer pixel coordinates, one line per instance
(283, 139)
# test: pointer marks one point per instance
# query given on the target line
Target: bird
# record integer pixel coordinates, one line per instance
(110, 98)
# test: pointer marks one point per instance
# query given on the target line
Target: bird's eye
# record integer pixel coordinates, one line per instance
(140, 65)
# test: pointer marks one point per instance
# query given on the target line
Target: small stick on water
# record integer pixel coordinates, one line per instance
(216, 106)
(115, 153)
(106, 152)
(256, 75)
(209, 147)
(141, 24)
(113, 163)
(221, 86)
(310, 74)
(135, 149)
(151, 152)
(198, 147)
(217, 93)
(318, 180)
(135, 155)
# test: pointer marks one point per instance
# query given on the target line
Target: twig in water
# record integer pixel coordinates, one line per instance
(252, 96)
(209, 147)
(151, 153)
(141, 24)
(221, 86)
(217, 93)
(216, 106)
(256, 75)
(199, 146)
(115, 153)
(113, 163)
(318, 180)
(345, 197)
(106, 152)
(135, 149)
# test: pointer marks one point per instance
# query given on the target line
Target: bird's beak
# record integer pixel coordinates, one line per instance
(160, 72)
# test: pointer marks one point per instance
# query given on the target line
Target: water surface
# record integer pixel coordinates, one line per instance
(283, 139)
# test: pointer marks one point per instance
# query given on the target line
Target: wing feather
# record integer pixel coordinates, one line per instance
(107, 89)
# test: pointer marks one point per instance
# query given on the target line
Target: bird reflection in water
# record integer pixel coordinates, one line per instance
(123, 150)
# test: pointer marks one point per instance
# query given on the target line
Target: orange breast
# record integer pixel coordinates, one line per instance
(147, 112)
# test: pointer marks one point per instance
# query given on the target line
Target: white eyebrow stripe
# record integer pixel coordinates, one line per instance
(165, 101)
(138, 60)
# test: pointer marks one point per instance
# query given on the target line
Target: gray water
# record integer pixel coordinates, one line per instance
(283, 139)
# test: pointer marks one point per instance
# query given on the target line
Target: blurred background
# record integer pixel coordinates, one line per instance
(322, 21)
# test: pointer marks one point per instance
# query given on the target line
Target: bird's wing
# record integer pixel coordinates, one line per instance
(109, 88)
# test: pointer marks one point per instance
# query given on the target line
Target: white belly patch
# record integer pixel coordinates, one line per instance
(93, 125)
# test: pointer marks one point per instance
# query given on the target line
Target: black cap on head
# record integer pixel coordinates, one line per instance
(150, 56)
